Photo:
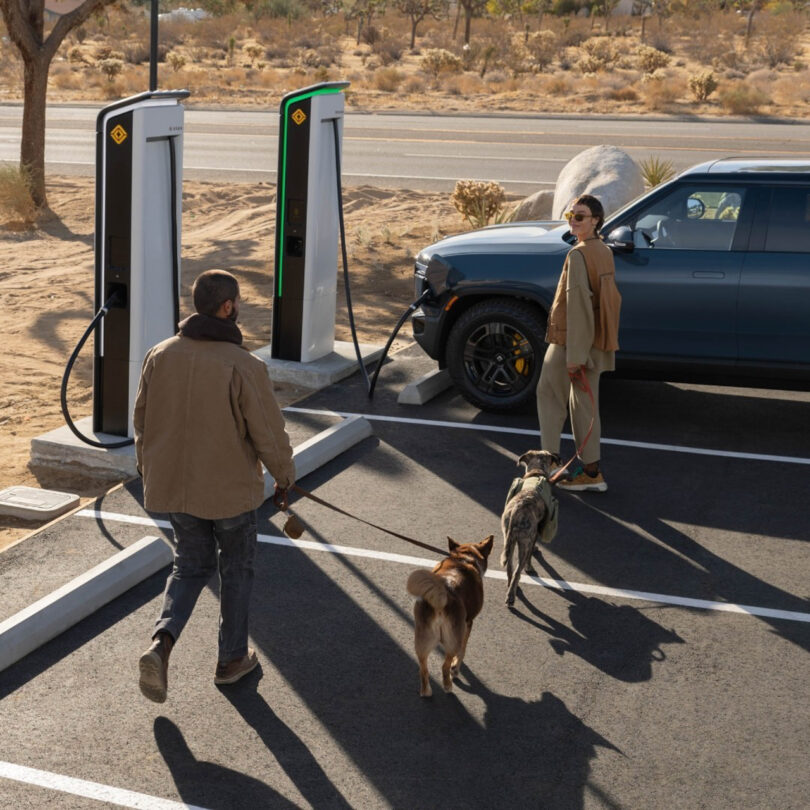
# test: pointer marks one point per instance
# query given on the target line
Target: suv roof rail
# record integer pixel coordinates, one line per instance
(734, 165)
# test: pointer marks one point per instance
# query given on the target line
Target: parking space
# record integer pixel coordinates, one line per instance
(667, 670)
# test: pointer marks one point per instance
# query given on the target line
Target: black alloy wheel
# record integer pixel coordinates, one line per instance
(495, 352)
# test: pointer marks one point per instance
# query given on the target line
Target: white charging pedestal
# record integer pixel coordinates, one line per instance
(139, 174)
(307, 234)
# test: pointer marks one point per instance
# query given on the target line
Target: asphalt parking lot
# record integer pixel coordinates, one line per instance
(669, 671)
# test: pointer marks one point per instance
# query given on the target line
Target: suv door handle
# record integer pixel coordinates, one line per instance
(708, 274)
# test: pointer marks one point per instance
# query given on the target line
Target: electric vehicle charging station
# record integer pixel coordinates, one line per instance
(307, 223)
(139, 171)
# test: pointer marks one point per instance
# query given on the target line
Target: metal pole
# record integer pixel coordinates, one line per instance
(153, 49)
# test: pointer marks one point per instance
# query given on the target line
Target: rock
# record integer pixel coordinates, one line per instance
(533, 208)
(607, 172)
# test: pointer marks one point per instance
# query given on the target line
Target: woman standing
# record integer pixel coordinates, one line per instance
(582, 332)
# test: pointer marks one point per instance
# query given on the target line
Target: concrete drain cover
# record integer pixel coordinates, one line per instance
(30, 503)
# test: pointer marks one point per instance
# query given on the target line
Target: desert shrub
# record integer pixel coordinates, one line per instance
(388, 79)
(659, 92)
(253, 51)
(778, 38)
(738, 98)
(111, 67)
(175, 60)
(464, 85)
(279, 9)
(437, 61)
(68, 79)
(651, 59)
(596, 54)
(371, 35)
(388, 50)
(702, 85)
(479, 202)
(15, 195)
(558, 86)
(625, 93)
(542, 46)
(655, 171)
(414, 84)
(136, 53)
(76, 55)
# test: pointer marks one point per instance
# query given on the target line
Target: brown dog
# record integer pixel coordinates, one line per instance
(450, 597)
(523, 515)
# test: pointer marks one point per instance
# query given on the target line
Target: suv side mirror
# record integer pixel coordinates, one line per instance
(621, 240)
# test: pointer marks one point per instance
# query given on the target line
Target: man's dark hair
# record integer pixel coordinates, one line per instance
(212, 289)
(594, 206)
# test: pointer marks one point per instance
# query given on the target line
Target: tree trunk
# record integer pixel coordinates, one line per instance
(413, 33)
(32, 152)
(455, 24)
(467, 25)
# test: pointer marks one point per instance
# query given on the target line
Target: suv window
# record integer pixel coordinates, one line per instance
(789, 221)
(690, 217)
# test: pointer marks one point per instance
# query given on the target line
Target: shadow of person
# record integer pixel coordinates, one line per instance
(290, 752)
(543, 751)
(617, 639)
(208, 784)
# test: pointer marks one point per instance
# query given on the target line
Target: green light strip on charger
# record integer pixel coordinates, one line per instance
(283, 195)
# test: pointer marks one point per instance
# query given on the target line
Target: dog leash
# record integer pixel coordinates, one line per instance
(322, 502)
(578, 379)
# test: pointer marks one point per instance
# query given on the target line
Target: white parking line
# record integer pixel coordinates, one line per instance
(387, 556)
(670, 448)
(90, 790)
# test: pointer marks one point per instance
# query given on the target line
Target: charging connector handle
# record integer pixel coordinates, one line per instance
(66, 376)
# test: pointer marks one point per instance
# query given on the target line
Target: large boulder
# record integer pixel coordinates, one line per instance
(606, 172)
(533, 208)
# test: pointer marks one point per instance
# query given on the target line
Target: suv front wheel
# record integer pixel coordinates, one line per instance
(494, 354)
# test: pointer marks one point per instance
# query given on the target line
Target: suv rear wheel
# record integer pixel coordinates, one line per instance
(494, 354)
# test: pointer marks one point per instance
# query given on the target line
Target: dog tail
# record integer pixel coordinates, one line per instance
(426, 585)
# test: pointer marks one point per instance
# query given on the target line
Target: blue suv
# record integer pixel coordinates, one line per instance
(713, 268)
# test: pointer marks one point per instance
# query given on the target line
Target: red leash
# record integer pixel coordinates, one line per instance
(578, 379)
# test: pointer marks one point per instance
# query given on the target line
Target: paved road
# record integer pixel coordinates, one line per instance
(428, 152)
(603, 695)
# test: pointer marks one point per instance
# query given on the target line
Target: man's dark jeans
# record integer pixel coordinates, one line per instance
(203, 547)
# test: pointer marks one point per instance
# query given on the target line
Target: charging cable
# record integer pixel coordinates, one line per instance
(66, 376)
(370, 382)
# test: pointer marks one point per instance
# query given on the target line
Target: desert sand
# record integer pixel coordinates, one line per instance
(47, 290)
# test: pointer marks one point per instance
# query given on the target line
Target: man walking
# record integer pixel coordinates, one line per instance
(205, 417)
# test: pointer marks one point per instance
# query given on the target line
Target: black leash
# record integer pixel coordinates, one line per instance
(340, 511)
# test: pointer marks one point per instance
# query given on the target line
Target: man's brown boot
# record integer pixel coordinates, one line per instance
(232, 671)
(154, 666)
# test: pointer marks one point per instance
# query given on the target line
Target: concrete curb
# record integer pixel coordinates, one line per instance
(425, 388)
(53, 614)
(323, 447)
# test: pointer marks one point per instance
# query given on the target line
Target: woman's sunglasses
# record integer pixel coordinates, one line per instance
(569, 215)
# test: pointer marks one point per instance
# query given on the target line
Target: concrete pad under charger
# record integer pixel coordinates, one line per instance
(341, 362)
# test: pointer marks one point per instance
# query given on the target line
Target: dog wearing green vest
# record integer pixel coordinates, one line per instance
(530, 512)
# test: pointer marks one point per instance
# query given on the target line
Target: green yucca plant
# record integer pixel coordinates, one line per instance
(656, 171)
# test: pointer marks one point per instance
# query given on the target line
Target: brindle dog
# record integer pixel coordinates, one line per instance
(521, 518)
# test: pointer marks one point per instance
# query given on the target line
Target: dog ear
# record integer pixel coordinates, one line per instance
(522, 460)
(452, 544)
(485, 546)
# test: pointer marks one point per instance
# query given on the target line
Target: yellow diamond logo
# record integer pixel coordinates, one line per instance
(119, 134)
(299, 116)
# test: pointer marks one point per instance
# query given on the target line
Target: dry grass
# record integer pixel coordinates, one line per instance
(17, 209)
(567, 65)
